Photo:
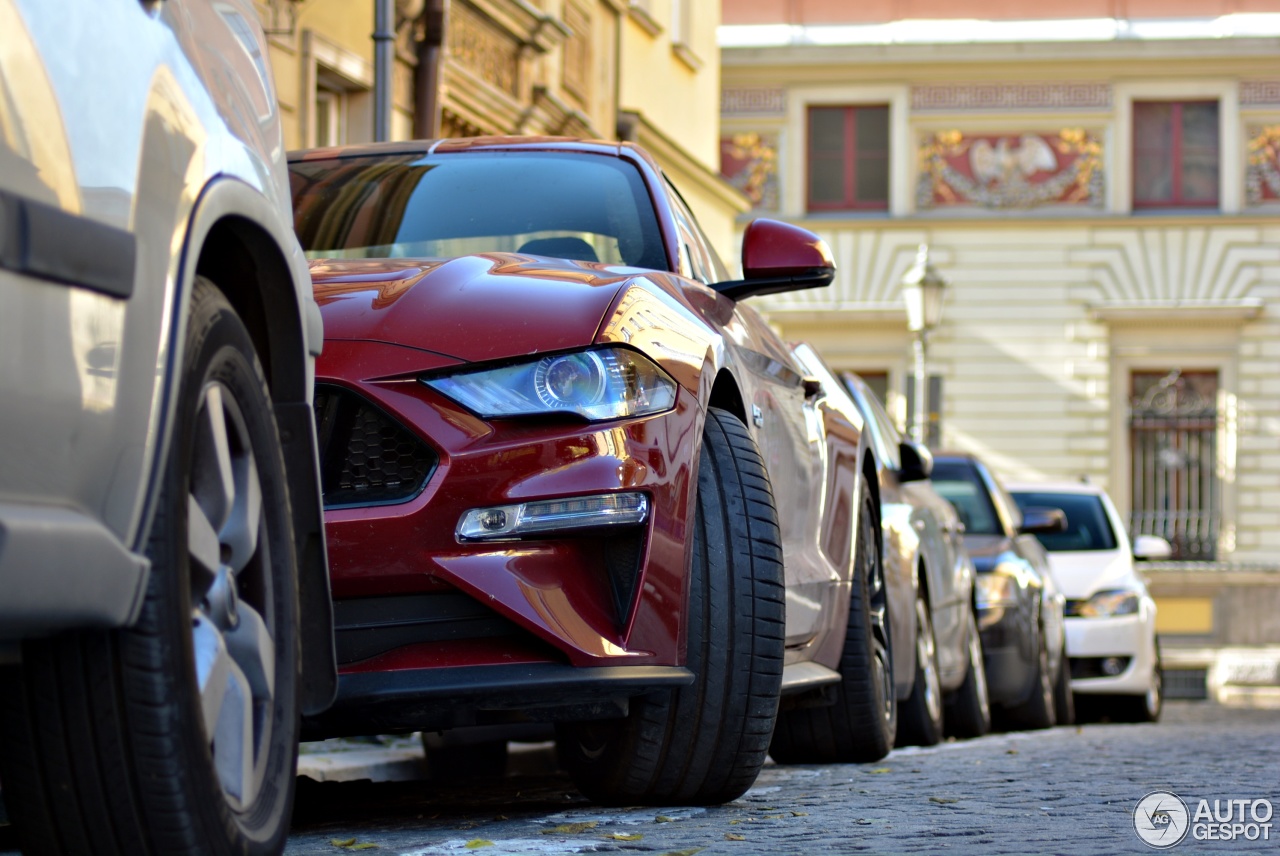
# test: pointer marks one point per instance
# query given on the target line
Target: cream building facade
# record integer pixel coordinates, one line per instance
(1103, 196)
(644, 71)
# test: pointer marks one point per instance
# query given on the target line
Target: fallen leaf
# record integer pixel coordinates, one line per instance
(943, 800)
(799, 814)
(883, 770)
(733, 836)
(688, 852)
(625, 836)
(662, 818)
(342, 842)
(1011, 751)
(477, 843)
(365, 846)
(736, 822)
(571, 828)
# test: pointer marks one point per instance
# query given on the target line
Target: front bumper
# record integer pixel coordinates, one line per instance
(1127, 636)
(432, 699)
(414, 601)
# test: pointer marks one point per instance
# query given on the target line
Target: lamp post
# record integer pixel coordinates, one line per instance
(922, 288)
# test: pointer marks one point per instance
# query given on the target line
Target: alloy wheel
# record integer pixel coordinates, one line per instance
(230, 570)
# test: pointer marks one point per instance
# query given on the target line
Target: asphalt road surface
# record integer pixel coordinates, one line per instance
(1066, 790)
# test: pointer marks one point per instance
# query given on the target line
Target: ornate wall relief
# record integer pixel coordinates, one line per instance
(750, 163)
(1262, 180)
(484, 48)
(1014, 170)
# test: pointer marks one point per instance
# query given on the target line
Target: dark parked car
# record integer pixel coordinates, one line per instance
(938, 663)
(1020, 609)
(162, 567)
(569, 476)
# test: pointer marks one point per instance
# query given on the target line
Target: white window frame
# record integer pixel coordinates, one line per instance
(1162, 343)
(1231, 160)
(901, 157)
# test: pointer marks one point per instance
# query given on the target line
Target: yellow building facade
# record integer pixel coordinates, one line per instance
(1103, 197)
(604, 69)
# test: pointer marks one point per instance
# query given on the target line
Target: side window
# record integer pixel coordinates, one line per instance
(886, 430)
(705, 266)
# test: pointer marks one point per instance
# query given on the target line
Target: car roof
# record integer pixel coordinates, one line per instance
(453, 145)
(1082, 488)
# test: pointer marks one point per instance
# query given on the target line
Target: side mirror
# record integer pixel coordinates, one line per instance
(1147, 548)
(1043, 521)
(778, 257)
(917, 461)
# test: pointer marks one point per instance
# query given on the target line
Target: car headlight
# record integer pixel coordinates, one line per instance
(1106, 604)
(995, 590)
(596, 384)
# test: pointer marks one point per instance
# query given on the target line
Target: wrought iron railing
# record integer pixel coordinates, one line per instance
(1173, 429)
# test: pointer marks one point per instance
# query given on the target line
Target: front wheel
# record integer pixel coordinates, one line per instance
(969, 708)
(1064, 707)
(862, 723)
(705, 743)
(177, 735)
(920, 719)
(1038, 710)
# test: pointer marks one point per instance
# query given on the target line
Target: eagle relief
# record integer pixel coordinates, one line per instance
(1016, 170)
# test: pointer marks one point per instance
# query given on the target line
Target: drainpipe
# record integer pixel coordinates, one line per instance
(431, 53)
(384, 52)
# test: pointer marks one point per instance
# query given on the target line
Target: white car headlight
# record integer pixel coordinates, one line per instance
(1107, 604)
(596, 384)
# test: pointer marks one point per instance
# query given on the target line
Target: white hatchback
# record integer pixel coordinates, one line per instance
(1110, 617)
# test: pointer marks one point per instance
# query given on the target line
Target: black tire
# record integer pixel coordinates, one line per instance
(1064, 706)
(705, 743)
(107, 749)
(968, 712)
(861, 725)
(1037, 711)
(920, 716)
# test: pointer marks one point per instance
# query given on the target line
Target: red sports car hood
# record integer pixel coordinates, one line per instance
(472, 308)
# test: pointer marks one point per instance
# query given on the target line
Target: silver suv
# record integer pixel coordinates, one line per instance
(162, 565)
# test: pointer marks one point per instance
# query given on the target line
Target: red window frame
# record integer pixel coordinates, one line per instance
(1177, 200)
(849, 157)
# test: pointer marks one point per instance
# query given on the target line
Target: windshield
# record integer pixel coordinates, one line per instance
(1087, 525)
(961, 486)
(560, 204)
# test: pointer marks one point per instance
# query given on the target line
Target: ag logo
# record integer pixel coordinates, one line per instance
(1161, 819)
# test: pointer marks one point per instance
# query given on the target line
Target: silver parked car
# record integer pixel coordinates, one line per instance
(938, 663)
(162, 565)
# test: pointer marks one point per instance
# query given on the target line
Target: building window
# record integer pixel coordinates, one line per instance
(1173, 435)
(331, 118)
(1175, 154)
(848, 158)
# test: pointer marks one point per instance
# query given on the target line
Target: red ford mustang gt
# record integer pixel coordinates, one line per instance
(570, 478)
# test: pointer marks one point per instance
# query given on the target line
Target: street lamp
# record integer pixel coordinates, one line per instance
(922, 288)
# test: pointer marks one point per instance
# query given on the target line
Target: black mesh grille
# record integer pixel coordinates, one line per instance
(366, 457)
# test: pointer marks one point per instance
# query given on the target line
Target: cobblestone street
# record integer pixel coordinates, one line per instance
(1069, 790)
